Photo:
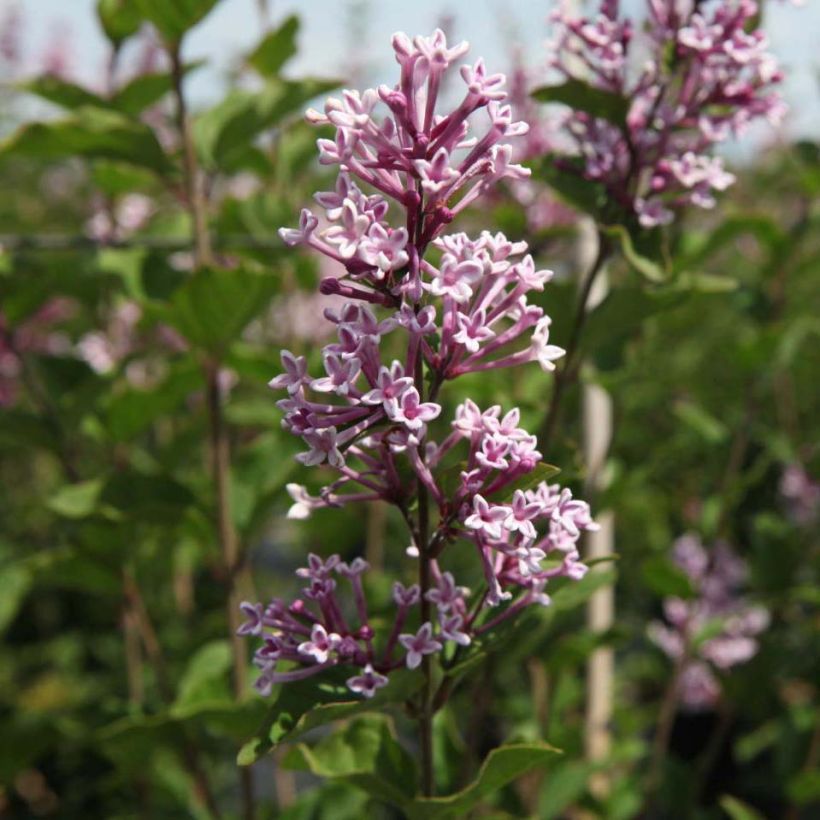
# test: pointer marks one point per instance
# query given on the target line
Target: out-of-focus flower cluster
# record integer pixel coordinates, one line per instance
(716, 629)
(707, 76)
(801, 494)
(39, 334)
(464, 309)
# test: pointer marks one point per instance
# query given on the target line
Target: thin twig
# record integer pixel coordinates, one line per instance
(568, 371)
(219, 444)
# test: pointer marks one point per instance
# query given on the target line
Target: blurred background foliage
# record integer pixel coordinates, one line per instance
(144, 467)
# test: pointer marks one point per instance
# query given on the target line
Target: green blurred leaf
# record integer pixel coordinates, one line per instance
(276, 48)
(648, 268)
(711, 429)
(213, 307)
(705, 283)
(664, 578)
(15, 582)
(145, 90)
(224, 134)
(174, 19)
(131, 412)
(119, 19)
(738, 810)
(318, 701)
(804, 787)
(62, 92)
(575, 593)
(147, 497)
(364, 754)
(580, 96)
(566, 177)
(542, 472)
(94, 133)
(77, 500)
(206, 678)
(502, 766)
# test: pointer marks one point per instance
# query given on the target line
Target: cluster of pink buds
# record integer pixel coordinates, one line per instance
(707, 77)
(690, 638)
(452, 305)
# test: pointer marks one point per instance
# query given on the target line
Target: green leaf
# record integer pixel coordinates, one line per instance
(147, 497)
(132, 412)
(542, 472)
(580, 96)
(566, 177)
(502, 766)
(737, 810)
(119, 19)
(804, 787)
(224, 133)
(15, 581)
(318, 701)
(213, 307)
(62, 92)
(145, 90)
(664, 578)
(705, 283)
(174, 19)
(206, 678)
(76, 500)
(364, 754)
(711, 429)
(648, 268)
(94, 133)
(575, 593)
(276, 48)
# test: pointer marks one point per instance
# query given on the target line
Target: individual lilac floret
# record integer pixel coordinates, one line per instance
(420, 644)
(707, 76)
(689, 637)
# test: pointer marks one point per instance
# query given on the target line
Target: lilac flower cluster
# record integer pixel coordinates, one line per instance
(707, 77)
(453, 305)
(714, 630)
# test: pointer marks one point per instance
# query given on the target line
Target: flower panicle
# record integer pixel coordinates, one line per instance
(708, 76)
(452, 304)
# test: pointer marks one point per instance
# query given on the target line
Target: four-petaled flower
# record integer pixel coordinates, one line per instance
(367, 683)
(420, 644)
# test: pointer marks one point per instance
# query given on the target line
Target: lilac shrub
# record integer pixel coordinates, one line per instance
(706, 77)
(716, 629)
(454, 305)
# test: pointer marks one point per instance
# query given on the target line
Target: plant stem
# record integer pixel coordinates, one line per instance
(220, 454)
(197, 202)
(426, 710)
(568, 371)
(153, 650)
(663, 732)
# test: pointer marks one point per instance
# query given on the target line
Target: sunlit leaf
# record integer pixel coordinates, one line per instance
(364, 754)
(581, 96)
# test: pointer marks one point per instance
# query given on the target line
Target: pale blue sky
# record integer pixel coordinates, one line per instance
(490, 25)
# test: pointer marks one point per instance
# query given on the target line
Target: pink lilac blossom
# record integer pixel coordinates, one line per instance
(716, 629)
(801, 494)
(39, 335)
(457, 305)
(707, 76)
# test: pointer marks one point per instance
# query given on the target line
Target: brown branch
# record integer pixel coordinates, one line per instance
(219, 443)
